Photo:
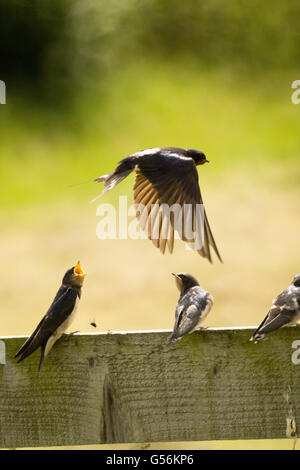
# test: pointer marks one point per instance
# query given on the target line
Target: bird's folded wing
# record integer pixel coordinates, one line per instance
(187, 320)
(172, 180)
(276, 318)
(30, 339)
(56, 315)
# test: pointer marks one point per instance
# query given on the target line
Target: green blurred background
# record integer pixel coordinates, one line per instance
(91, 82)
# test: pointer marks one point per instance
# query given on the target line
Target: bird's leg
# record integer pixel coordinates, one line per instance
(72, 333)
(199, 328)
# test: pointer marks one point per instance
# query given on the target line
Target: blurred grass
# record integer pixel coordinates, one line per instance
(249, 130)
(237, 124)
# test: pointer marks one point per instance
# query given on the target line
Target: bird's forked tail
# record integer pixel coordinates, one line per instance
(110, 180)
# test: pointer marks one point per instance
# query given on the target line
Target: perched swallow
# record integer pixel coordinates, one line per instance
(192, 307)
(58, 318)
(285, 309)
(167, 177)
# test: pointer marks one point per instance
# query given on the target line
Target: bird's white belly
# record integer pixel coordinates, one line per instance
(295, 319)
(62, 328)
(210, 301)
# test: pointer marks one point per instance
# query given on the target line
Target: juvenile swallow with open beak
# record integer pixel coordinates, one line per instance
(167, 178)
(192, 308)
(58, 318)
(285, 310)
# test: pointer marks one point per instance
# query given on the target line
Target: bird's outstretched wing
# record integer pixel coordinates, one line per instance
(58, 312)
(170, 179)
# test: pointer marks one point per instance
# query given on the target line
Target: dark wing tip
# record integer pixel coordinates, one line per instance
(20, 352)
(256, 338)
(42, 357)
(172, 339)
(218, 254)
(20, 359)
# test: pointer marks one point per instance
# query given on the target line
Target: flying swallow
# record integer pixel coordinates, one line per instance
(192, 307)
(58, 318)
(285, 310)
(167, 178)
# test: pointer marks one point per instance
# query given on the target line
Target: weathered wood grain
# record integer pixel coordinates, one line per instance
(132, 387)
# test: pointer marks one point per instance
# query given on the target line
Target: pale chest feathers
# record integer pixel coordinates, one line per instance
(62, 328)
(296, 318)
(210, 301)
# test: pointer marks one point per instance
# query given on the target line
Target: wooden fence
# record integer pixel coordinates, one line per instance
(132, 387)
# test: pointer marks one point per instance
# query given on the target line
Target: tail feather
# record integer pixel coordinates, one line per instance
(42, 357)
(256, 337)
(102, 178)
(110, 180)
(31, 344)
(29, 348)
(172, 339)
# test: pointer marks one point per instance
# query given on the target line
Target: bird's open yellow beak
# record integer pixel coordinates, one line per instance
(78, 270)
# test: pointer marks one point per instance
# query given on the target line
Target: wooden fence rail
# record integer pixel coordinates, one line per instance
(133, 387)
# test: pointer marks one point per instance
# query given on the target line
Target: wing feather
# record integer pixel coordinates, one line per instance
(56, 315)
(170, 179)
(275, 319)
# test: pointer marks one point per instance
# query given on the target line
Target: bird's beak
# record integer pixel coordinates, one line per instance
(78, 270)
(206, 161)
(178, 281)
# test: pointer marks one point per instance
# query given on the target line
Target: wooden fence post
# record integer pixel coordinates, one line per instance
(132, 387)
